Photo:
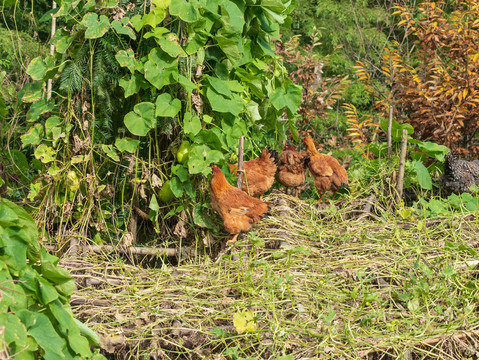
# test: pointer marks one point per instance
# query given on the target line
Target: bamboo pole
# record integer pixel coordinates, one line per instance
(52, 49)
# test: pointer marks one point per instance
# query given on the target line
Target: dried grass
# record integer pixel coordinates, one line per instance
(322, 284)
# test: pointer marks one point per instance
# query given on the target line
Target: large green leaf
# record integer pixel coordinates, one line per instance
(41, 329)
(221, 104)
(161, 69)
(110, 152)
(39, 107)
(201, 218)
(232, 17)
(126, 58)
(274, 10)
(6, 279)
(423, 176)
(191, 124)
(141, 119)
(37, 68)
(220, 86)
(29, 232)
(127, 144)
(131, 84)
(186, 83)
(123, 28)
(231, 44)
(88, 333)
(48, 293)
(70, 329)
(176, 187)
(162, 4)
(200, 158)
(154, 17)
(211, 137)
(32, 136)
(33, 92)
(63, 44)
(14, 330)
(186, 11)
(51, 271)
(289, 97)
(170, 44)
(45, 153)
(165, 106)
(95, 27)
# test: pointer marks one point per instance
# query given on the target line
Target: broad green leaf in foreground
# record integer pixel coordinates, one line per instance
(95, 27)
(141, 119)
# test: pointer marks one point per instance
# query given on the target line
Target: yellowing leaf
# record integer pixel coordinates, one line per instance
(244, 322)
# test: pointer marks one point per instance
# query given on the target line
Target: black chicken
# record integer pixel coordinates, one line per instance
(459, 175)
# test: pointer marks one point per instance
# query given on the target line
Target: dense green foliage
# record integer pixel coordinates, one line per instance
(35, 315)
(132, 83)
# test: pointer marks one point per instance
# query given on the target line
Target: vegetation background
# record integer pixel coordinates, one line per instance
(108, 137)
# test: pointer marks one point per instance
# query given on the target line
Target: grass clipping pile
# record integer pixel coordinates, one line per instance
(335, 288)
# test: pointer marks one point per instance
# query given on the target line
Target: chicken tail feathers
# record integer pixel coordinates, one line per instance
(274, 155)
(305, 161)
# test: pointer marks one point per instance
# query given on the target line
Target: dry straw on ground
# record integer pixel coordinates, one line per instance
(321, 284)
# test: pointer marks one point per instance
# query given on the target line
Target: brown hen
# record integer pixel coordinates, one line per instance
(327, 172)
(292, 167)
(238, 210)
(259, 172)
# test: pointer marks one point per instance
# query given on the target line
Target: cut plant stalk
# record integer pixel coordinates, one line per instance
(402, 163)
(240, 172)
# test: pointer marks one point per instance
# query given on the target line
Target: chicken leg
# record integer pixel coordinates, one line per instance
(232, 240)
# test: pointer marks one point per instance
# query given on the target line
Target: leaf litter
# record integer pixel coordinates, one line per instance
(304, 284)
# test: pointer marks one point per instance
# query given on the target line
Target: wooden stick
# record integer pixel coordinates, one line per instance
(390, 126)
(134, 250)
(91, 302)
(402, 163)
(239, 171)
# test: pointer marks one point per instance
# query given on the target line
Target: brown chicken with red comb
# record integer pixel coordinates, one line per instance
(238, 210)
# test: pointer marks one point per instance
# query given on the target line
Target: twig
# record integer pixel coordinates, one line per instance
(239, 171)
(402, 163)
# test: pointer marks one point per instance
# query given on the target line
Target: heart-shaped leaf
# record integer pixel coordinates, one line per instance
(166, 107)
(95, 27)
(127, 144)
(141, 119)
